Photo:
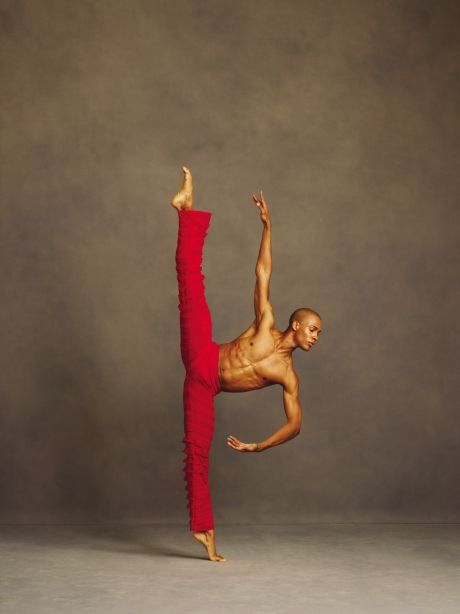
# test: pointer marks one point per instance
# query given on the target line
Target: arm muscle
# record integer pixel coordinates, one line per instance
(293, 410)
(262, 306)
(291, 400)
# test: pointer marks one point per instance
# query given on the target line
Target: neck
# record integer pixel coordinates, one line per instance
(286, 343)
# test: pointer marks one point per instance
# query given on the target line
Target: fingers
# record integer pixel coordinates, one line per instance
(261, 205)
(259, 200)
(235, 443)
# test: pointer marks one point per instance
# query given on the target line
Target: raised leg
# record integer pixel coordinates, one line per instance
(195, 318)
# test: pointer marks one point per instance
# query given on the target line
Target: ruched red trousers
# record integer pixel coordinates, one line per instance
(200, 355)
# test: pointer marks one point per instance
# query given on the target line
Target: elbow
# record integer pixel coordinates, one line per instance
(262, 271)
(296, 429)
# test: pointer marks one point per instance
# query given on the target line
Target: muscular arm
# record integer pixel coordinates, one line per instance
(287, 431)
(264, 260)
(262, 306)
(293, 412)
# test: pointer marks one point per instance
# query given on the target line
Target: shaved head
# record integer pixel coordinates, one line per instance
(305, 327)
(301, 314)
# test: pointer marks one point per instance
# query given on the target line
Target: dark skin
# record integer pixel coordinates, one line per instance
(262, 354)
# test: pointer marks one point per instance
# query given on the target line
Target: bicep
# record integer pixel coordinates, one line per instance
(291, 400)
(262, 306)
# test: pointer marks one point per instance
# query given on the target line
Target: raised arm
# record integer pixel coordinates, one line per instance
(264, 261)
(263, 271)
(262, 306)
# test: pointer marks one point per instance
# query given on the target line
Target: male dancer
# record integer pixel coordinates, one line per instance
(260, 356)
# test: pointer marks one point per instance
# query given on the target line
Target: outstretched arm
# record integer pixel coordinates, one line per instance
(262, 306)
(264, 261)
(293, 412)
(287, 431)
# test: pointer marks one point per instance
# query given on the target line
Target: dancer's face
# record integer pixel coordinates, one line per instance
(307, 332)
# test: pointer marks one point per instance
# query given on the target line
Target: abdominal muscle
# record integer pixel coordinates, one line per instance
(242, 367)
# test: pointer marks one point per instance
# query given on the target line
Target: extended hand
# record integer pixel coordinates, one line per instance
(240, 446)
(263, 208)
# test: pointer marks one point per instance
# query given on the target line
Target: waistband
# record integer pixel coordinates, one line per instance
(214, 368)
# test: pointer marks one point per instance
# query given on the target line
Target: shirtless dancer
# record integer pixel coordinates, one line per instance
(260, 356)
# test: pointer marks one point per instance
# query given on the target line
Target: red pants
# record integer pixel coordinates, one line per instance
(200, 355)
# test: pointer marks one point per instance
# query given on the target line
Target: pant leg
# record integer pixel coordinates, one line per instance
(195, 318)
(196, 340)
(199, 430)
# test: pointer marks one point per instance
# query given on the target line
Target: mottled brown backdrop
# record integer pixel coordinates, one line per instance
(346, 115)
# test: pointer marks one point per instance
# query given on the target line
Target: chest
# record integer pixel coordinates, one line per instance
(262, 357)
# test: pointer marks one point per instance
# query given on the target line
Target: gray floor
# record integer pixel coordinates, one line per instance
(328, 568)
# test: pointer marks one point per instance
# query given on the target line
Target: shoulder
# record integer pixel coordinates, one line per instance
(291, 381)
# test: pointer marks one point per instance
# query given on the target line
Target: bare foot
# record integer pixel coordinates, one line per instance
(183, 198)
(209, 542)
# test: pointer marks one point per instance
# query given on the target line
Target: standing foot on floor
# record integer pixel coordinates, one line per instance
(208, 540)
(184, 198)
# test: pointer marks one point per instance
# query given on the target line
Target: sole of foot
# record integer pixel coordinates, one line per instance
(183, 199)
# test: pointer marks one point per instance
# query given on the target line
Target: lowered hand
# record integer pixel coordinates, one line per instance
(236, 444)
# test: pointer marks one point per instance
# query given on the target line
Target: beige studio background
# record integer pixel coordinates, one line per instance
(345, 113)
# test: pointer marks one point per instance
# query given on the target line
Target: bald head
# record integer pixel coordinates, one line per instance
(301, 314)
(305, 326)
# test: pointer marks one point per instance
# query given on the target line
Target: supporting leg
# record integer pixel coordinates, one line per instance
(199, 430)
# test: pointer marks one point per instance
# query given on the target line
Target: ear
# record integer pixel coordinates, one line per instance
(295, 325)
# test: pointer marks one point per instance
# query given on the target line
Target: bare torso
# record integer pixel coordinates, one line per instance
(252, 361)
(261, 355)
